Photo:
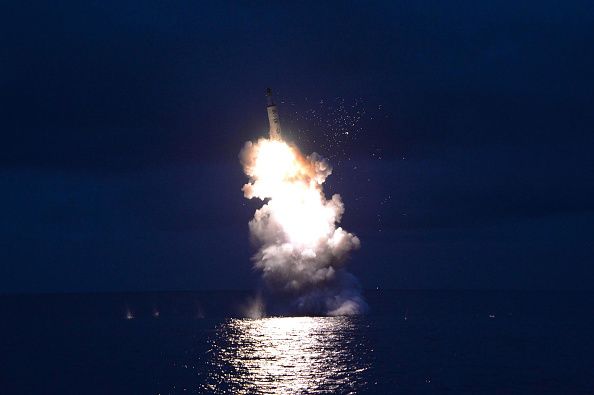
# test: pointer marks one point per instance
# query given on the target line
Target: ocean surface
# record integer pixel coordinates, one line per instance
(411, 342)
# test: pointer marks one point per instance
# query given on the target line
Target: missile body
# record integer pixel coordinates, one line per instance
(273, 119)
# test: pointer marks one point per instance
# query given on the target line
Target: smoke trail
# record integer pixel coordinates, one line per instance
(302, 251)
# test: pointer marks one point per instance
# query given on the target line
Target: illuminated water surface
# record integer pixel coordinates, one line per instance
(298, 355)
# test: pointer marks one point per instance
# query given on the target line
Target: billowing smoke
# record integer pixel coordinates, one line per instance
(302, 253)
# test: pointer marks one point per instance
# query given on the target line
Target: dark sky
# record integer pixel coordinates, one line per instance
(469, 162)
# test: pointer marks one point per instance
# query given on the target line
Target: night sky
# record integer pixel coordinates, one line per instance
(468, 163)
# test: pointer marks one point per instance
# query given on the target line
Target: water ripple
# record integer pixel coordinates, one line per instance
(282, 355)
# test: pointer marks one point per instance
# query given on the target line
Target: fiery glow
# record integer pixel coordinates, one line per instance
(276, 163)
(280, 173)
(302, 251)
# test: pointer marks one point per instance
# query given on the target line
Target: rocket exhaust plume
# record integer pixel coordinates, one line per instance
(302, 253)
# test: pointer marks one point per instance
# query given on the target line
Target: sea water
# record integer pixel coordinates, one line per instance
(410, 342)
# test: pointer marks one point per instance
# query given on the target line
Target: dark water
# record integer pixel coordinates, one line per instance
(412, 342)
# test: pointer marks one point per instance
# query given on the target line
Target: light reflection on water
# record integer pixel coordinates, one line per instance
(287, 355)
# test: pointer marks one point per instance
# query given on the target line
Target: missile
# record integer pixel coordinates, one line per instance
(273, 119)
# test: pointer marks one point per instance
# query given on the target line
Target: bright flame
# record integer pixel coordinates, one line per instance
(275, 162)
(284, 176)
(302, 251)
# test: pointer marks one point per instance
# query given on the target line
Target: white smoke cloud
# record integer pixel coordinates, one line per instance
(302, 252)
